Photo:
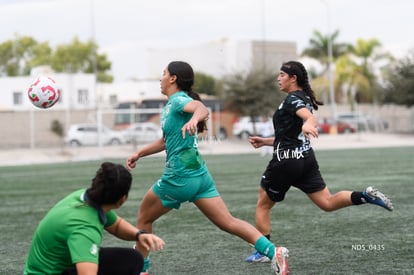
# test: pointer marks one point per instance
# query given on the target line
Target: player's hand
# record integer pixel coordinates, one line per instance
(190, 127)
(151, 242)
(310, 130)
(256, 141)
(131, 162)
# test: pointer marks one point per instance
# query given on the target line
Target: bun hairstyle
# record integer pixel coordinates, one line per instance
(296, 68)
(185, 81)
(111, 182)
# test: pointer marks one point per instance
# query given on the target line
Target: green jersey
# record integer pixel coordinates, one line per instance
(71, 232)
(183, 158)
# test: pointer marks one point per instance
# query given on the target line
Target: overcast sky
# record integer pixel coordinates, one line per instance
(123, 29)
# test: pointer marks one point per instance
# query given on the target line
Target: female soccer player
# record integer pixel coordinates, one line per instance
(67, 240)
(294, 162)
(186, 177)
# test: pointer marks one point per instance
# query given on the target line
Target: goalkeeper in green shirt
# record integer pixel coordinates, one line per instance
(68, 239)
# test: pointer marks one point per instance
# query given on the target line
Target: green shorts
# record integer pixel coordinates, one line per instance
(174, 190)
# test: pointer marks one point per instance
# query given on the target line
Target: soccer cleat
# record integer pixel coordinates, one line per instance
(280, 261)
(257, 257)
(372, 195)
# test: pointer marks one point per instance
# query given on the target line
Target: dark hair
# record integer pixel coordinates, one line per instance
(185, 82)
(111, 182)
(296, 68)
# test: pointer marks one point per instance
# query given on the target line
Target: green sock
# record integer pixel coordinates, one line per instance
(265, 247)
(146, 264)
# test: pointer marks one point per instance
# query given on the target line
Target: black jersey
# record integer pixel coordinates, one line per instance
(288, 126)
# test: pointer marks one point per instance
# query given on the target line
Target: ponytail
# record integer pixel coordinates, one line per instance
(111, 182)
(297, 68)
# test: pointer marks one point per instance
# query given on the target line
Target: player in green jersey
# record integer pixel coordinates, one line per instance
(186, 177)
(68, 239)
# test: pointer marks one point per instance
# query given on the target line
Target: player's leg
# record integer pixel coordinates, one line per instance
(121, 261)
(263, 209)
(150, 210)
(217, 212)
(263, 223)
(331, 202)
(274, 185)
(328, 202)
(314, 186)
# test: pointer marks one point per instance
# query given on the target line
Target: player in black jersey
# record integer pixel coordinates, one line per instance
(294, 162)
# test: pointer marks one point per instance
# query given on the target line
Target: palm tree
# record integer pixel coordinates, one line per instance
(318, 48)
(349, 76)
(367, 59)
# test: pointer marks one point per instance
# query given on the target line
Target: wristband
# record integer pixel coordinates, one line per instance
(139, 232)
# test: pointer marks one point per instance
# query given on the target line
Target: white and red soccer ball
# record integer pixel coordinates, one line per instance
(43, 92)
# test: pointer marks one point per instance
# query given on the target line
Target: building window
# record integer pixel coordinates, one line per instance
(83, 96)
(17, 98)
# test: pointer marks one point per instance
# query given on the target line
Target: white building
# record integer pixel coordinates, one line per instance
(222, 57)
(77, 91)
(128, 91)
(216, 58)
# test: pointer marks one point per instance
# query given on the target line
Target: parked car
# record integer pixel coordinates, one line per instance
(325, 124)
(243, 128)
(143, 132)
(87, 134)
(362, 122)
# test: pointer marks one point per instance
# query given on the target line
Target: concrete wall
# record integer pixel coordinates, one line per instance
(399, 118)
(32, 129)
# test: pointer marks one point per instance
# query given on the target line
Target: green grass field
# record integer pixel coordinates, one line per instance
(356, 240)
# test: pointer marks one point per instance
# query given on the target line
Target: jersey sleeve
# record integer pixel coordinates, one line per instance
(110, 218)
(84, 245)
(179, 102)
(294, 103)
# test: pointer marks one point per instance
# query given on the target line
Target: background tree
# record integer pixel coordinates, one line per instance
(205, 84)
(16, 55)
(318, 50)
(319, 45)
(20, 55)
(348, 76)
(81, 57)
(252, 94)
(400, 86)
(368, 58)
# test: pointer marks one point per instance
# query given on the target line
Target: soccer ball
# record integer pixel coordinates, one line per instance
(43, 92)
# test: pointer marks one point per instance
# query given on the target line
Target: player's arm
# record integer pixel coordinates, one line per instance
(200, 113)
(258, 142)
(149, 149)
(86, 268)
(126, 231)
(310, 123)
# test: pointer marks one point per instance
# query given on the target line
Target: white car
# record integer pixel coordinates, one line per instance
(243, 128)
(144, 132)
(87, 134)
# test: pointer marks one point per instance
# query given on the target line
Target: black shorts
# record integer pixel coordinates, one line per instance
(116, 260)
(302, 173)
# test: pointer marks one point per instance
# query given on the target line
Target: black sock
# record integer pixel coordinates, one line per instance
(357, 198)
